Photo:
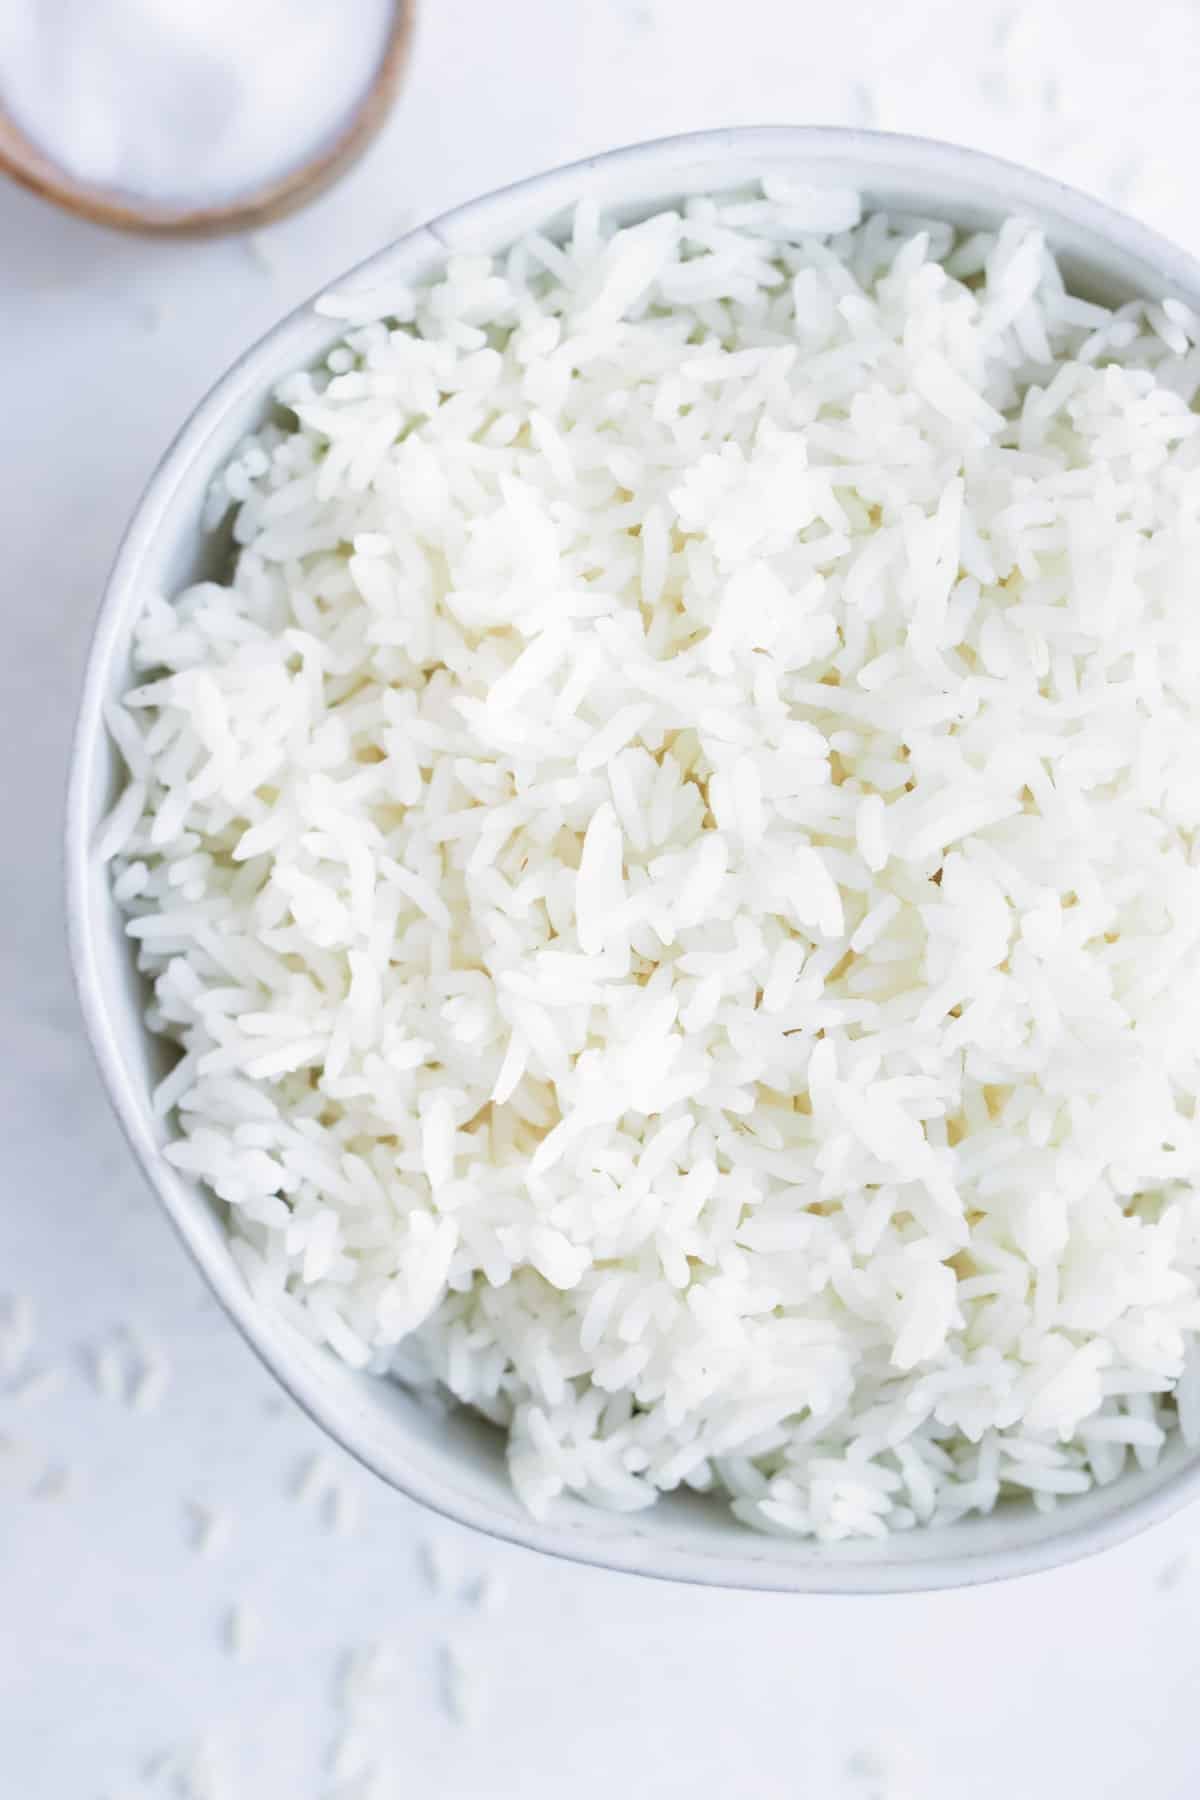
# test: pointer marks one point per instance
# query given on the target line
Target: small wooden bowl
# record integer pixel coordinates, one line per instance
(106, 206)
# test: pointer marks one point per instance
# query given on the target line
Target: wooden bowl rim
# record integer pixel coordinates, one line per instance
(29, 166)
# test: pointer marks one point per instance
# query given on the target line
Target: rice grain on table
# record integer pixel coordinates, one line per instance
(314, 1478)
(486, 1593)
(242, 1630)
(60, 1481)
(211, 1528)
(17, 1323)
(342, 1509)
(21, 1465)
(108, 1371)
(151, 1379)
(439, 1564)
(462, 1690)
(672, 861)
(36, 1386)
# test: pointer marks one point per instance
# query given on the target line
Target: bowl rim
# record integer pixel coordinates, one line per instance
(908, 161)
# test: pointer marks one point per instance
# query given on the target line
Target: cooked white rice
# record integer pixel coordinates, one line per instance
(672, 866)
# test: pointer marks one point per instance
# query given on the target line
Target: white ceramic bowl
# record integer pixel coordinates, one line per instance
(456, 1465)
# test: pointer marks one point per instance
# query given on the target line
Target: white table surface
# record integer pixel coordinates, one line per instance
(1077, 1683)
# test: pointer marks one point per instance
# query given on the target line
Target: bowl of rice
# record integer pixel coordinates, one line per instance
(633, 864)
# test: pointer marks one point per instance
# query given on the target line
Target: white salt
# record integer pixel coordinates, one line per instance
(185, 104)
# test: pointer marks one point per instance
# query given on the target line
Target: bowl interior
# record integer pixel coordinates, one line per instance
(447, 1459)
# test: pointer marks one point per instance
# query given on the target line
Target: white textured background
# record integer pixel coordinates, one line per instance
(111, 1650)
